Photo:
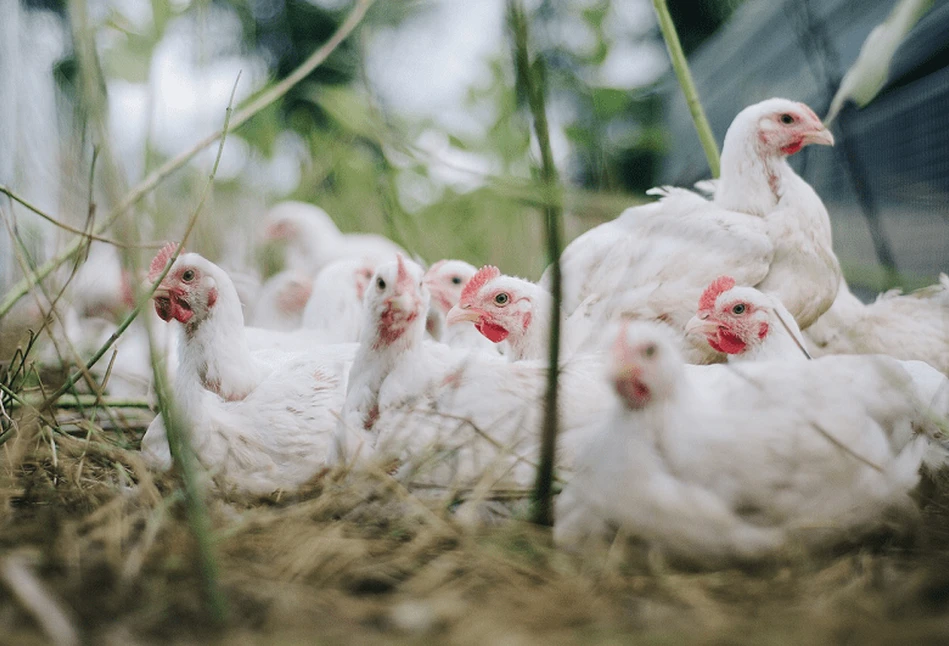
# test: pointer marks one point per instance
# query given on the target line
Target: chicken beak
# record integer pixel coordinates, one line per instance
(401, 302)
(458, 314)
(701, 324)
(822, 137)
(161, 291)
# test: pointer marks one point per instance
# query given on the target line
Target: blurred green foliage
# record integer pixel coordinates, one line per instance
(365, 166)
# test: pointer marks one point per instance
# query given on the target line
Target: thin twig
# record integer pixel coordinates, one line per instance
(687, 83)
(530, 77)
(149, 183)
(65, 227)
(81, 401)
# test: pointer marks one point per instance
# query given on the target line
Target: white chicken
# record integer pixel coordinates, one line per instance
(745, 322)
(462, 416)
(749, 325)
(446, 280)
(335, 305)
(101, 287)
(506, 308)
(261, 420)
(765, 227)
(312, 240)
(905, 326)
(717, 463)
(280, 303)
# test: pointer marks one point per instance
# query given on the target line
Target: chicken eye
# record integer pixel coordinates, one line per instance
(739, 309)
(456, 280)
(188, 276)
(650, 350)
(380, 283)
(787, 119)
(502, 299)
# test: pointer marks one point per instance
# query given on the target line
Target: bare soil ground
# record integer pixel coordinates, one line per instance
(105, 548)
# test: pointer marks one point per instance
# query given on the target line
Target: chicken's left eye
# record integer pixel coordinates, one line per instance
(649, 350)
(381, 284)
(456, 280)
(787, 119)
(739, 309)
(502, 299)
(188, 276)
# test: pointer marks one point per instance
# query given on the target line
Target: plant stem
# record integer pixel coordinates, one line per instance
(81, 401)
(154, 179)
(681, 67)
(530, 78)
(179, 442)
(176, 428)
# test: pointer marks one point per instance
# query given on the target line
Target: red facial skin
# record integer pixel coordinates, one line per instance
(735, 330)
(628, 380)
(172, 299)
(394, 321)
(795, 129)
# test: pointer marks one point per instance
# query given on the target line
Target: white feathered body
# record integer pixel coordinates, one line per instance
(747, 459)
(654, 261)
(473, 418)
(906, 326)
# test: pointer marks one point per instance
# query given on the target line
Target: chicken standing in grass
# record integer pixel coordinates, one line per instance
(312, 240)
(905, 326)
(261, 420)
(765, 226)
(719, 463)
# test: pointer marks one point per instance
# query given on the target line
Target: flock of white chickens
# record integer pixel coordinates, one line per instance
(695, 413)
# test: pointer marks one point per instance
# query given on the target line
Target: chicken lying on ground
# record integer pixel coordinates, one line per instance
(765, 226)
(312, 239)
(905, 326)
(446, 281)
(744, 322)
(450, 416)
(260, 420)
(335, 305)
(281, 300)
(719, 463)
(505, 308)
(752, 326)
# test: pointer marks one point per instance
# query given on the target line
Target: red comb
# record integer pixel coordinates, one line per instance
(713, 291)
(402, 275)
(482, 276)
(160, 260)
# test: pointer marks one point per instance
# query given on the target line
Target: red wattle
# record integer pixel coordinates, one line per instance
(181, 314)
(793, 147)
(494, 333)
(729, 343)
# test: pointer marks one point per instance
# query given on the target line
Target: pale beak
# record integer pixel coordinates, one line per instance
(701, 324)
(161, 291)
(457, 314)
(401, 302)
(821, 137)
